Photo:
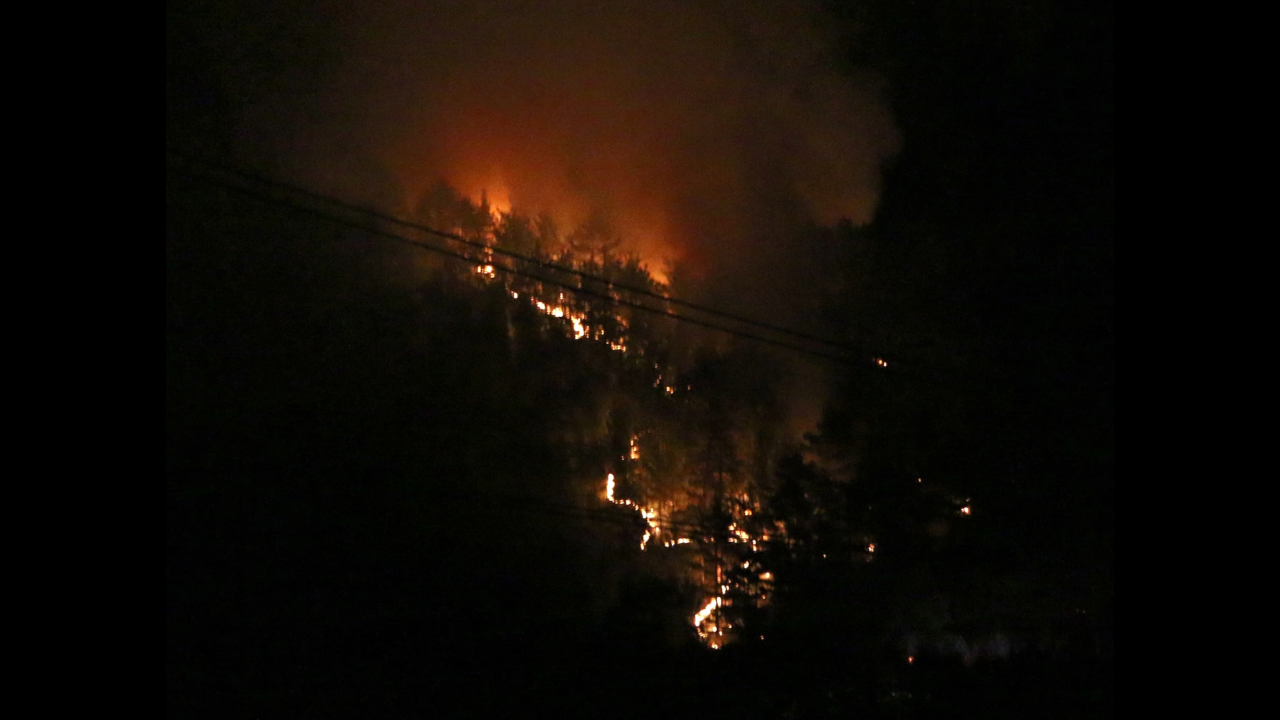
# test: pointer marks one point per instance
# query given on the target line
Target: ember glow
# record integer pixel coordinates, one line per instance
(752, 585)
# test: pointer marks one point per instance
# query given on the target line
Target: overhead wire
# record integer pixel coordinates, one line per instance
(480, 262)
(521, 257)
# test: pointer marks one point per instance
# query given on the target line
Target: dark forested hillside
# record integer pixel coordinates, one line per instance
(437, 454)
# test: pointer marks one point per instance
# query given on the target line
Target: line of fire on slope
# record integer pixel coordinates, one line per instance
(712, 628)
(735, 572)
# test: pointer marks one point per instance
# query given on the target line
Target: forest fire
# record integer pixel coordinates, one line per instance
(717, 548)
(711, 628)
(519, 354)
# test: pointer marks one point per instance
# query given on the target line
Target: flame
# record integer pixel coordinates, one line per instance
(578, 326)
(648, 514)
(702, 615)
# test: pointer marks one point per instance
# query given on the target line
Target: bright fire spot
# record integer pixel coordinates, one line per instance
(966, 509)
(486, 270)
(881, 362)
(635, 449)
(649, 515)
(911, 659)
(706, 611)
(871, 548)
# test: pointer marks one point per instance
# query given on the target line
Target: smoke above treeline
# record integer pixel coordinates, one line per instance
(710, 134)
(700, 128)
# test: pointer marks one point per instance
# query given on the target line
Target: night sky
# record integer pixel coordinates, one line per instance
(386, 468)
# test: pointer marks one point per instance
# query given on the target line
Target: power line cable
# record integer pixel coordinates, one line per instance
(519, 256)
(844, 360)
(867, 359)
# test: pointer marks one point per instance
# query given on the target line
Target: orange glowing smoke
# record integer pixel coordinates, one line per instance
(688, 126)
